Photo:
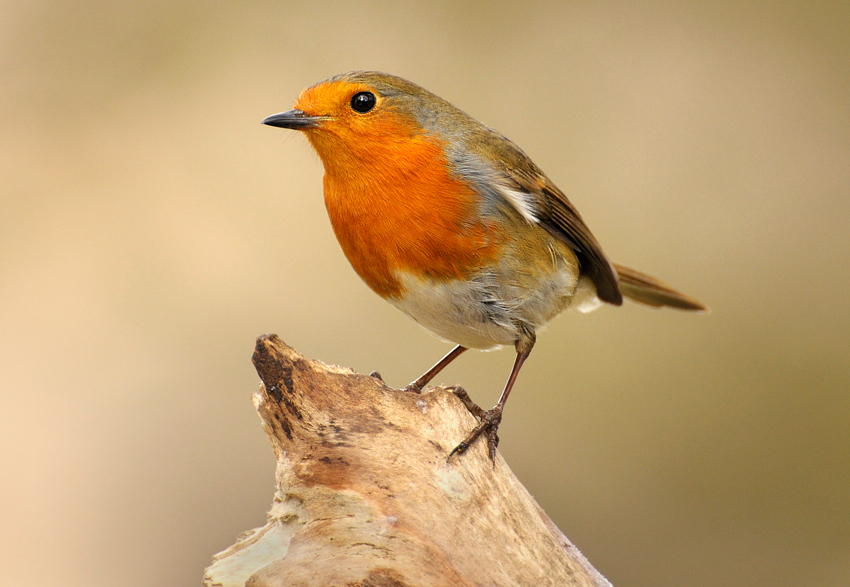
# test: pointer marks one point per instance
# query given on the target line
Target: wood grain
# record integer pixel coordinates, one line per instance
(366, 496)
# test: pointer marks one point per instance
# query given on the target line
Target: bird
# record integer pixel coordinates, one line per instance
(453, 224)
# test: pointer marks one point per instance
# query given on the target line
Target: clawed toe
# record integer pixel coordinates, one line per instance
(489, 424)
(471, 406)
(412, 388)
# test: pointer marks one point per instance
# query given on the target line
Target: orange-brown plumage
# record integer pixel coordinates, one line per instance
(391, 200)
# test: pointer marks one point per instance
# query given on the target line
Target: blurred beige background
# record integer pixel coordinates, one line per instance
(151, 228)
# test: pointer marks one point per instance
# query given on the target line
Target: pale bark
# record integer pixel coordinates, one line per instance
(366, 496)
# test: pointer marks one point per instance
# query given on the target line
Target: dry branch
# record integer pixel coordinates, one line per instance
(366, 497)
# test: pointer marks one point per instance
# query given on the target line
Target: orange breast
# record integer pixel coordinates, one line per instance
(395, 207)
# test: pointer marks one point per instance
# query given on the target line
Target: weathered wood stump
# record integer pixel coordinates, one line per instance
(366, 496)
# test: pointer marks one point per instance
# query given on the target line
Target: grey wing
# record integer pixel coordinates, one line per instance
(564, 221)
(494, 162)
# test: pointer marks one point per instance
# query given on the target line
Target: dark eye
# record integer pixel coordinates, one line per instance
(363, 102)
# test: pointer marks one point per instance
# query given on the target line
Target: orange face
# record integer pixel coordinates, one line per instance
(393, 201)
(383, 131)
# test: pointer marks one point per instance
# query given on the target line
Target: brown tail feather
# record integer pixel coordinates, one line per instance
(653, 292)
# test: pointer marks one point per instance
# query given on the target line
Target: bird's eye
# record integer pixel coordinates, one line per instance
(363, 102)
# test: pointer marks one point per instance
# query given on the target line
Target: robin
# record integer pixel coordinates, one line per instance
(452, 223)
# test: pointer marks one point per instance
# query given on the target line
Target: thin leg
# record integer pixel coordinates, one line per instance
(417, 385)
(490, 420)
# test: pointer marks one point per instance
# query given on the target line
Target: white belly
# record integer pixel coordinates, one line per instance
(486, 312)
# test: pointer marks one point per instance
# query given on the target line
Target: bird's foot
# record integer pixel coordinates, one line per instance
(471, 406)
(413, 387)
(489, 424)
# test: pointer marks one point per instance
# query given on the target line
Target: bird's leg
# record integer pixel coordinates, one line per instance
(417, 385)
(490, 420)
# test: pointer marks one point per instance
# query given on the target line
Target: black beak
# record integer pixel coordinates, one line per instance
(294, 119)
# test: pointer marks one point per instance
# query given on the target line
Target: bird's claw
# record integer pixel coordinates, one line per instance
(489, 423)
(412, 388)
(471, 406)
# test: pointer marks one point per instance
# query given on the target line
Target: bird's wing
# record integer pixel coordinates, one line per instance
(555, 213)
(526, 188)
